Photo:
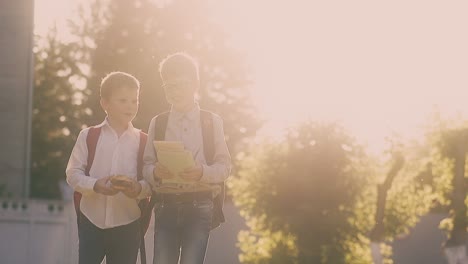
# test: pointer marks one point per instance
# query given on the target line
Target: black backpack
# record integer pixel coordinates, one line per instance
(206, 119)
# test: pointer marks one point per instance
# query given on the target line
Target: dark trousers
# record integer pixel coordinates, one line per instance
(119, 244)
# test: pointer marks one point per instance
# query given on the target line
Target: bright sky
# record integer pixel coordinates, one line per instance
(374, 65)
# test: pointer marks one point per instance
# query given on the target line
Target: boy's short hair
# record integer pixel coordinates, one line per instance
(116, 80)
(179, 64)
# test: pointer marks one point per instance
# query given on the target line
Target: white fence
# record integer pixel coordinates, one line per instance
(44, 232)
(33, 231)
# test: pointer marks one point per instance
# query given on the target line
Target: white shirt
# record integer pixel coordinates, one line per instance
(114, 155)
(186, 127)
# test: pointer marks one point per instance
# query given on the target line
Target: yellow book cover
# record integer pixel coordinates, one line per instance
(176, 162)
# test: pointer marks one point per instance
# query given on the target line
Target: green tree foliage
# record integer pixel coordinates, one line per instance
(300, 198)
(402, 194)
(132, 36)
(311, 198)
(59, 92)
(408, 198)
(448, 141)
(136, 35)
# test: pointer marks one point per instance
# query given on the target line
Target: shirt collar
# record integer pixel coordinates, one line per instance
(105, 123)
(191, 115)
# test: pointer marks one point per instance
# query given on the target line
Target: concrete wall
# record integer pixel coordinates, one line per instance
(16, 38)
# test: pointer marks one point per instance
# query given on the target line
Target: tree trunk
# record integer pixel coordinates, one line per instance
(377, 233)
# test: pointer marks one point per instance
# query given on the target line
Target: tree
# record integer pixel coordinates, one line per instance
(59, 93)
(377, 234)
(137, 35)
(132, 36)
(300, 198)
(456, 148)
(449, 141)
(400, 199)
(317, 197)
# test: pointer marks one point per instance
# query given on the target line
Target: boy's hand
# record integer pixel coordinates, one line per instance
(103, 186)
(192, 174)
(161, 172)
(132, 191)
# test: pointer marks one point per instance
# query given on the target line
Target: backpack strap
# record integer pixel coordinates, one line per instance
(141, 151)
(91, 142)
(160, 125)
(206, 118)
(208, 135)
(144, 203)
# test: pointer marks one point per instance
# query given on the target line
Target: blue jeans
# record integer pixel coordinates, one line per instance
(182, 230)
(119, 244)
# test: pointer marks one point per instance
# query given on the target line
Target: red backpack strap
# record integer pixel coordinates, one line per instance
(91, 142)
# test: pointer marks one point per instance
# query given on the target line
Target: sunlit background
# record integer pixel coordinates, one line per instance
(378, 68)
(375, 66)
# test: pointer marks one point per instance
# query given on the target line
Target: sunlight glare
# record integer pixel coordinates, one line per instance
(377, 67)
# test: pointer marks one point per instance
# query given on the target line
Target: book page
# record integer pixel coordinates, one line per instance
(176, 159)
(176, 162)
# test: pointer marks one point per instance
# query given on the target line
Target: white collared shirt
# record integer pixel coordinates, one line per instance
(114, 155)
(186, 127)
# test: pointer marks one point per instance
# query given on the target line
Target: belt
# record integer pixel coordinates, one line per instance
(184, 197)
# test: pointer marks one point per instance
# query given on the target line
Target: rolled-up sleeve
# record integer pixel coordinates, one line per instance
(149, 156)
(76, 167)
(220, 170)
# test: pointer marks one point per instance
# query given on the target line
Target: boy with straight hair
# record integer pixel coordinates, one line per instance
(103, 171)
(184, 215)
